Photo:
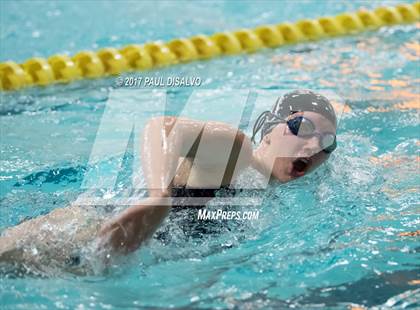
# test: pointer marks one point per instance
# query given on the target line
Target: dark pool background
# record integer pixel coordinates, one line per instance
(327, 240)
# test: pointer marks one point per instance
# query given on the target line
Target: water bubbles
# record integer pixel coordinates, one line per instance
(36, 34)
(53, 13)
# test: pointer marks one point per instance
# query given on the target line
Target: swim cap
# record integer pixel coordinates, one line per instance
(295, 101)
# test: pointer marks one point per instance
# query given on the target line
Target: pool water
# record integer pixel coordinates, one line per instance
(328, 240)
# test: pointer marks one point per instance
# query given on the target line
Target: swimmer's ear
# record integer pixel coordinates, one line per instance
(266, 139)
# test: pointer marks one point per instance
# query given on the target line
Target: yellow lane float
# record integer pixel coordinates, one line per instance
(112, 61)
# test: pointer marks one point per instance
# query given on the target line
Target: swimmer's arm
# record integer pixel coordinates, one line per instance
(161, 151)
(167, 139)
(132, 227)
(163, 145)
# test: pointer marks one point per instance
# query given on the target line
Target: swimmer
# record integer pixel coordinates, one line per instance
(293, 138)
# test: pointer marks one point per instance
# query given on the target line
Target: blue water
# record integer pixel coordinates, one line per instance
(327, 240)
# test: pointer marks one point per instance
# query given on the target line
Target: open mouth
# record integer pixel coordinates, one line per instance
(300, 166)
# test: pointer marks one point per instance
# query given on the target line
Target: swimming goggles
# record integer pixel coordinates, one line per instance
(299, 126)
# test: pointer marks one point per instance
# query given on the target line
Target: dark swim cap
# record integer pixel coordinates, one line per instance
(295, 101)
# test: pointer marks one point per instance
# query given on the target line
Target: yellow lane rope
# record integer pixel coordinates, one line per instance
(112, 61)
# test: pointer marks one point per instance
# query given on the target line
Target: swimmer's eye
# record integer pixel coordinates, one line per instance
(305, 128)
(301, 126)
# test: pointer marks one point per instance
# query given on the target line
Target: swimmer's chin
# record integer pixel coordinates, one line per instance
(281, 178)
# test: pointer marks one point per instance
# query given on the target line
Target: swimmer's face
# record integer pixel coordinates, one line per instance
(287, 156)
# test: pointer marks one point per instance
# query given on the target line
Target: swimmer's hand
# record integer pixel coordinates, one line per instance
(126, 232)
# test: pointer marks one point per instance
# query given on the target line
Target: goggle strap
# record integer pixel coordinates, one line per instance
(258, 125)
